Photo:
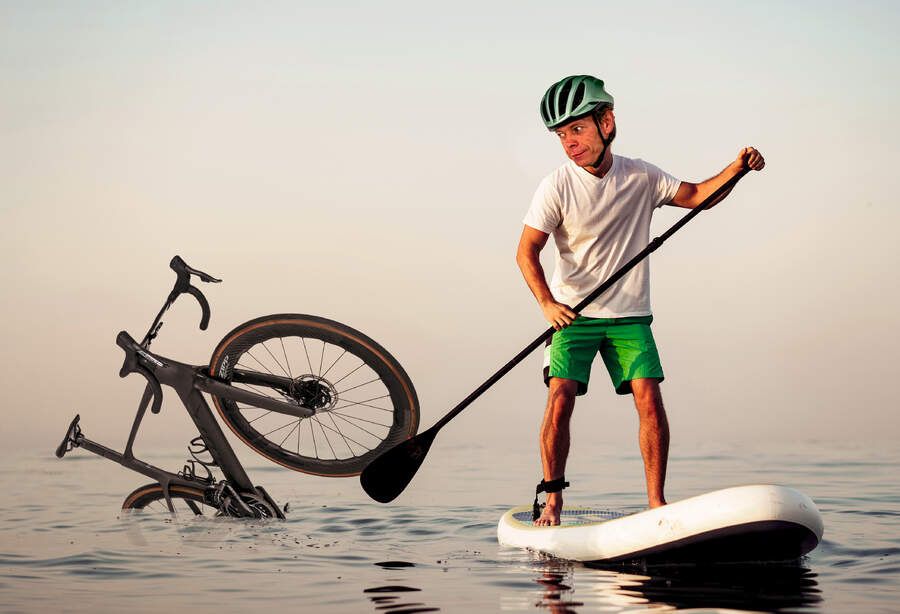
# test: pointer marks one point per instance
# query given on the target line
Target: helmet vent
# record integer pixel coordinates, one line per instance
(561, 98)
(578, 96)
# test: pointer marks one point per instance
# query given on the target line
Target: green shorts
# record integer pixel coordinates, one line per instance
(626, 345)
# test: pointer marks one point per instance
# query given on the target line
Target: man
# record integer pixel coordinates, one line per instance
(598, 206)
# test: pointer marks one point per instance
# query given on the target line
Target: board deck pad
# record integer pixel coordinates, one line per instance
(573, 517)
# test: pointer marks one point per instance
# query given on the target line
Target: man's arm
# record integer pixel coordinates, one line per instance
(689, 195)
(528, 258)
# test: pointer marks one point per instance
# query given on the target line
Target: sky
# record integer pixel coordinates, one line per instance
(372, 162)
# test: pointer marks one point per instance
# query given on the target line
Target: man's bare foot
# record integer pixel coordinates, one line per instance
(654, 504)
(550, 513)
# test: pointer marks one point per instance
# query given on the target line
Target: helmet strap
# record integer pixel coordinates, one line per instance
(606, 141)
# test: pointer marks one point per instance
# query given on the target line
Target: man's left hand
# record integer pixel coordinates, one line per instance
(750, 157)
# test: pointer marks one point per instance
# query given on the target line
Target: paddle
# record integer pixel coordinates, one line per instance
(389, 474)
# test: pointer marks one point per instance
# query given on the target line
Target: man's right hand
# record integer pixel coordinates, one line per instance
(558, 315)
(528, 258)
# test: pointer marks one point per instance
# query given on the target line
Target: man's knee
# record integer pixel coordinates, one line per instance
(561, 395)
(647, 397)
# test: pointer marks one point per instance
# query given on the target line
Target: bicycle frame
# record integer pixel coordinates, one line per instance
(189, 382)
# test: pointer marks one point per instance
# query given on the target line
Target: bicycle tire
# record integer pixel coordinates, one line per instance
(150, 497)
(350, 427)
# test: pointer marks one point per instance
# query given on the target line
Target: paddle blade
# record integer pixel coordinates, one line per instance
(388, 475)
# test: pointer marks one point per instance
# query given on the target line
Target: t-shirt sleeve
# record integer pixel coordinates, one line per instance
(663, 186)
(545, 213)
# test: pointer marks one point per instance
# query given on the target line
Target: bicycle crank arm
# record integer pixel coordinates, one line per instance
(279, 512)
(227, 391)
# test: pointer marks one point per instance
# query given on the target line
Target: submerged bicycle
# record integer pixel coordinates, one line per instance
(308, 393)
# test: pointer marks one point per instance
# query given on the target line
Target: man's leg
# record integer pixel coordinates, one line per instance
(653, 435)
(555, 442)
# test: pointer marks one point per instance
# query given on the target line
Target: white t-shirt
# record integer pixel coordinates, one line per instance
(599, 224)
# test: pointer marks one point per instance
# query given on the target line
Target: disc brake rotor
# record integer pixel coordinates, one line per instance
(314, 392)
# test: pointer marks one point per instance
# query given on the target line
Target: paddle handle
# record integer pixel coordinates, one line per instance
(619, 274)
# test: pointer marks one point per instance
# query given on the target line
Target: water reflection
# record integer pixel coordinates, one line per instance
(568, 587)
(397, 599)
(557, 597)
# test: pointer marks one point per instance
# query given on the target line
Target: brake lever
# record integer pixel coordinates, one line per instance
(153, 389)
(204, 305)
(130, 365)
(183, 286)
(149, 394)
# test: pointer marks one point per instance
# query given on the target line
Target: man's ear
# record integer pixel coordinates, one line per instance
(608, 117)
(608, 122)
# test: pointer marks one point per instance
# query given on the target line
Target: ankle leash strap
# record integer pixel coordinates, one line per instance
(548, 487)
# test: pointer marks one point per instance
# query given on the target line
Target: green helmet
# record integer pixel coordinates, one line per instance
(571, 98)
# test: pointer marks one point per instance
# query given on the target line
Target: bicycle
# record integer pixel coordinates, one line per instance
(308, 393)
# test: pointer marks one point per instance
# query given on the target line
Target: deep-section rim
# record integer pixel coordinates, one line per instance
(175, 491)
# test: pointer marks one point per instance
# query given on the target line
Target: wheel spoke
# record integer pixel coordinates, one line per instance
(313, 433)
(303, 341)
(334, 363)
(286, 361)
(365, 403)
(247, 353)
(340, 433)
(353, 440)
(358, 418)
(296, 426)
(377, 379)
(277, 362)
(299, 429)
(275, 430)
(262, 415)
(344, 418)
(348, 375)
(327, 440)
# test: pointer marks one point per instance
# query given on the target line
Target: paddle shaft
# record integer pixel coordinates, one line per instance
(619, 274)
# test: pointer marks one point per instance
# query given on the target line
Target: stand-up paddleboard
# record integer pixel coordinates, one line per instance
(744, 523)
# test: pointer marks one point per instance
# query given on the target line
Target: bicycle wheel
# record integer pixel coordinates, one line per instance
(365, 402)
(185, 499)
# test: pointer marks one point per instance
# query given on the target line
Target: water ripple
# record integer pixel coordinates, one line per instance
(427, 554)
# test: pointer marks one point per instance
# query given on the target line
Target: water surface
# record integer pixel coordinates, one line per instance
(65, 546)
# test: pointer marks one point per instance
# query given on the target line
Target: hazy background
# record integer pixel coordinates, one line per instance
(372, 162)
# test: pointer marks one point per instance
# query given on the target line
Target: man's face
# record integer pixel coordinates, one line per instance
(580, 139)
